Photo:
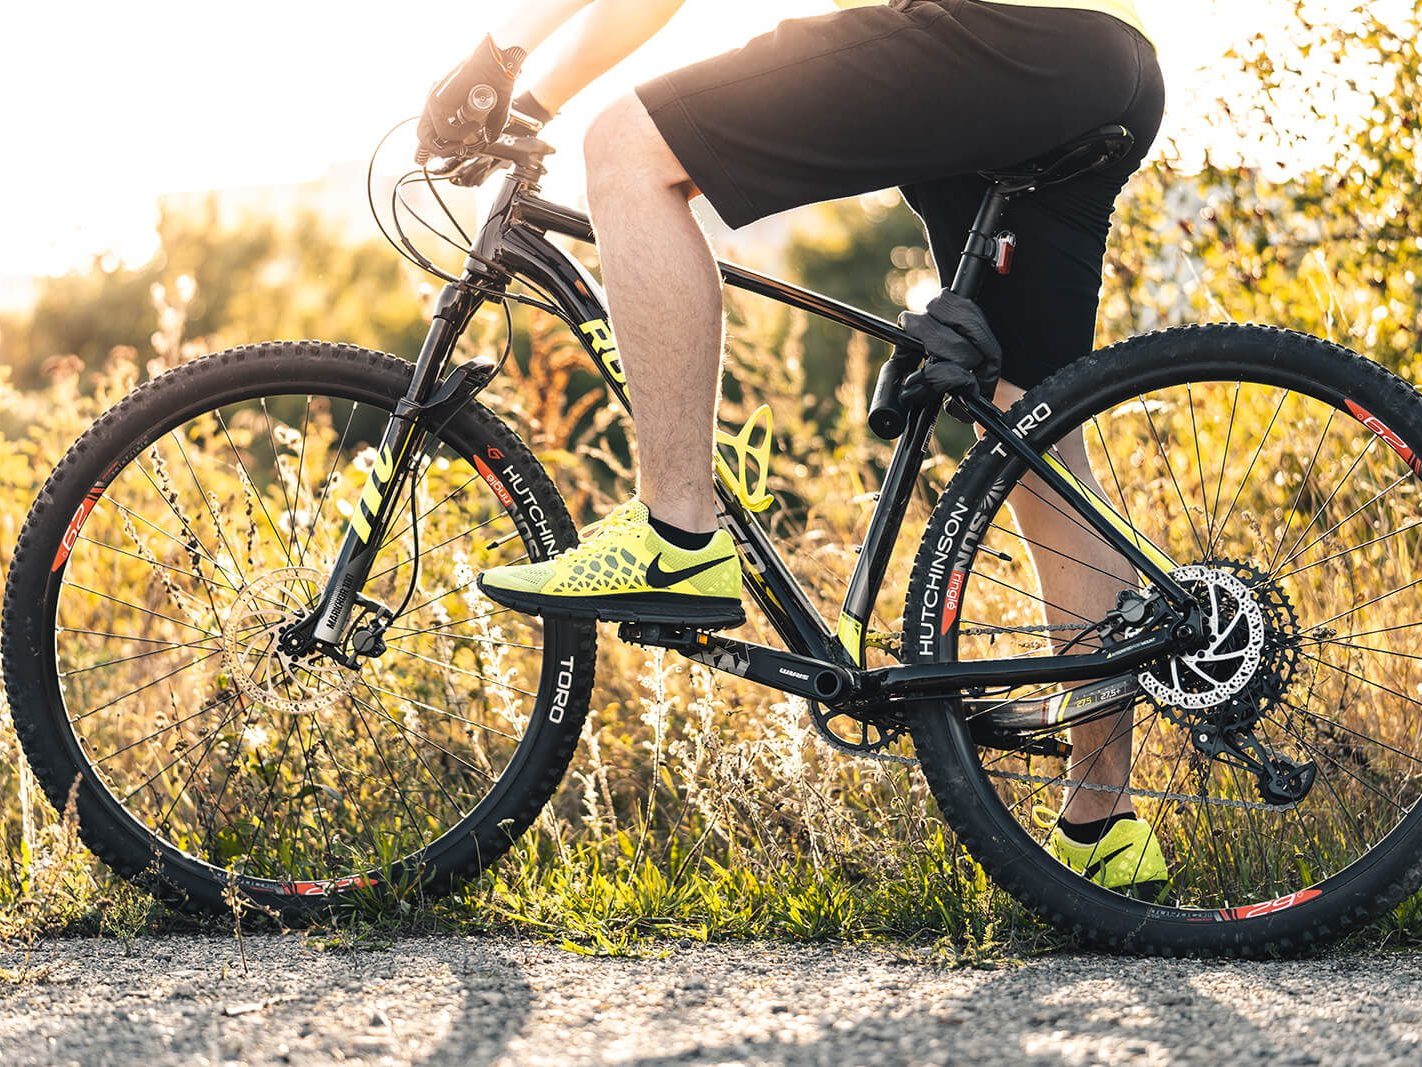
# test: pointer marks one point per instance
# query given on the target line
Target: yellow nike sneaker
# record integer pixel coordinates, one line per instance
(624, 571)
(1127, 859)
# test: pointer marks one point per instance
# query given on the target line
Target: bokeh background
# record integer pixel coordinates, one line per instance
(179, 178)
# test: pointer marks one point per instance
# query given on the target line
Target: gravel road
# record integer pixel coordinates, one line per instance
(452, 1000)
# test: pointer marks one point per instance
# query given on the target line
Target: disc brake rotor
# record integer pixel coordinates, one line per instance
(253, 656)
(1249, 659)
(1234, 625)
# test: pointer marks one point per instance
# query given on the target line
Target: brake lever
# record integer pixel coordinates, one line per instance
(449, 166)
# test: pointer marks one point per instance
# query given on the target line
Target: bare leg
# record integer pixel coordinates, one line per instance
(665, 295)
(1076, 592)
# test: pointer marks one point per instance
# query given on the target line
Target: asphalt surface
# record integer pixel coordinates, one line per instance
(453, 1000)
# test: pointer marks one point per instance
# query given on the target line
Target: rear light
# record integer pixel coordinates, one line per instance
(1005, 248)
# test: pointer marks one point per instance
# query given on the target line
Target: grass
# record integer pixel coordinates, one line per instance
(698, 808)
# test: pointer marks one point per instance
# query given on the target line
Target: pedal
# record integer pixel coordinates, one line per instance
(660, 635)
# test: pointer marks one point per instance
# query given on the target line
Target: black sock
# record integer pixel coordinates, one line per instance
(685, 539)
(1088, 833)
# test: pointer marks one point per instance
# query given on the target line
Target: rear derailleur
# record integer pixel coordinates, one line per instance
(1281, 780)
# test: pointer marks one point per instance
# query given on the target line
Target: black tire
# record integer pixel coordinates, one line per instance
(987, 815)
(128, 441)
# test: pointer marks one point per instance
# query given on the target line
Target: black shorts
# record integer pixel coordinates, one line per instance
(924, 94)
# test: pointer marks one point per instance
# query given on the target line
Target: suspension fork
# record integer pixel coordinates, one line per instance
(403, 439)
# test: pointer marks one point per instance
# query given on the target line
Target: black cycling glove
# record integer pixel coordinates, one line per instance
(442, 130)
(964, 358)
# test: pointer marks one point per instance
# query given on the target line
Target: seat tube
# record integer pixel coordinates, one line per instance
(883, 532)
(903, 469)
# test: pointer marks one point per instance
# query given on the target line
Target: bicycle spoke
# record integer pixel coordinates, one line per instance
(146, 685)
(1254, 459)
(136, 656)
(216, 702)
(1170, 470)
(326, 483)
(1293, 549)
(1349, 551)
(1346, 519)
(1224, 456)
(250, 486)
(1298, 497)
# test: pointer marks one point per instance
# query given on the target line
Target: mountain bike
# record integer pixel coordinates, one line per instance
(242, 634)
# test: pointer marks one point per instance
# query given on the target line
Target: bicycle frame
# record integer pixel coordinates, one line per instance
(821, 664)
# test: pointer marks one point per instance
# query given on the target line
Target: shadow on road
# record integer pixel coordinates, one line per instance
(455, 1000)
(156, 1001)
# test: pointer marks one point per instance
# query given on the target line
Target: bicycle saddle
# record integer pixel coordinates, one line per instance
(1089, 152)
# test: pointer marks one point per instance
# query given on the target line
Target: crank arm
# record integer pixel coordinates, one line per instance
(805, 677)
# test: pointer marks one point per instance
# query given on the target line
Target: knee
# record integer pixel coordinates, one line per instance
(624, 152)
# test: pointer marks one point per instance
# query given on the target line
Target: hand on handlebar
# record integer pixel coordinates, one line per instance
(470, 103)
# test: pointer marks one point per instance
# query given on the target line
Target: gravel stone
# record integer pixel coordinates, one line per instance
(195, 1001)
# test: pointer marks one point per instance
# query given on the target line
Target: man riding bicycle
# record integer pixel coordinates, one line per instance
(919, 94)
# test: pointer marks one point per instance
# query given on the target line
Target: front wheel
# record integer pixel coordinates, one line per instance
(159, 565)
(1279, 475)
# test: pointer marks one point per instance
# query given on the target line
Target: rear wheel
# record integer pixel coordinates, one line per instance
(163, 557)
(1280, 474)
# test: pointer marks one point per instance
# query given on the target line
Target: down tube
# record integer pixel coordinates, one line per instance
(579, 296)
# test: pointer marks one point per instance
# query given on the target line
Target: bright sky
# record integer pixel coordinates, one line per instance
(104, 106)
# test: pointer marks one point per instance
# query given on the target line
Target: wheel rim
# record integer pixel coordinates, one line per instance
(296, 777)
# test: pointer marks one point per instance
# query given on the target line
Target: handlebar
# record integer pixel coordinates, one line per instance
(518, 144)
(888, 414)
(482, 99)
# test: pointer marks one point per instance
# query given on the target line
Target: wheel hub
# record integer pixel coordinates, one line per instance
(263, 669)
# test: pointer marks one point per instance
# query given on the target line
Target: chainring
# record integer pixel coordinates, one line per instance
(858, 733)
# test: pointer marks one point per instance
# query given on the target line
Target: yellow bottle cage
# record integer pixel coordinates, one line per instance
(752, 443)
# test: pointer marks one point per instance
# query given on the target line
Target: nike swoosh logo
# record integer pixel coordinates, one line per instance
(660, 579)
(1090, 871)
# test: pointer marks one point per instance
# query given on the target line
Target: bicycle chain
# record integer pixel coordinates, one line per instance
(1148, 794)
(1041, 779)
(993, 631)
(1037, 779)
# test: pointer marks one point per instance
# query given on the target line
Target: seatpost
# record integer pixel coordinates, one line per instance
(981, 248)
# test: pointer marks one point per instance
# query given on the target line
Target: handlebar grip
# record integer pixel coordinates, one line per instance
(888, 416)
(482, 99)
(476, 108)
